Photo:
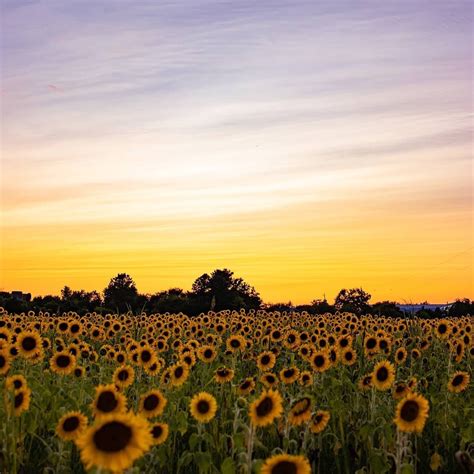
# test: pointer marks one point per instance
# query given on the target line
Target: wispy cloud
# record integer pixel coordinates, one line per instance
(302, 127)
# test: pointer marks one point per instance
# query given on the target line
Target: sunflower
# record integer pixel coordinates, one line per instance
(21, 400)
(159, 433)
(300, 411)
(71, 425)
(246, 386)
(235, 343)
(286, 464)
(179, 374)
(458, 382)
(266, 361)
(266, 408)
(152, 404)
(62, 363)
(400, 355)
(15, 382)
(29, 344)
(203, 407)
(108, 400)
(320, 361)
(223, 374)
(123, 376)
(145, 356)
(400, 390)
(443, 328)
(306, 378)
(348, 356)
(319, 421)
(365, 383)
(289, 375)
(4, 363)
(269, 380)
(411, 413)
(115, 441)
(207, 353)
(383, 375)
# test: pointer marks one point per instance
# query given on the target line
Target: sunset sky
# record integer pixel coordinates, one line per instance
(307, 146)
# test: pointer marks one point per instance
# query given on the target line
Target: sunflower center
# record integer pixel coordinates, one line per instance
(245, 385)
(203, 407)
(371, 343)
(3, 361)
(382, 374)
(265, 359)
(123, 375)
(113, 437)
(151, 402)
(107, 402)
(208, 353)
(284, 467)
(71, 423)
(63, 326)
(302, 406)
(63, 361)
(289, 373)
(410, 411)
(442, 328)
(17, 384)
(318, 418)
(457, 380)
(235, 343)
(348, 355)
(29, 343)
(178, 372)
(156, 431)
(74, 328)
(19, 399)
(146, 356)
(265, 407)
(319, 361)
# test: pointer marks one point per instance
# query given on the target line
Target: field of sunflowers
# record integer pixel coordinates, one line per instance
(235, 392)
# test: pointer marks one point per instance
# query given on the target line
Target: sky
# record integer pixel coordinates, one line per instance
(308, 146)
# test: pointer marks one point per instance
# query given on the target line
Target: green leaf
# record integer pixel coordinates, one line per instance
(228, 466)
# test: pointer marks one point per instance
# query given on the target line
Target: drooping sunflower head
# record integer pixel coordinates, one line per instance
(71, 425)
(152, 404)
(319, 421)
(289, 375)
(411, 413)
(203, 407)
(15, 382)
(300, 411)
(266, 408)
(365, 383)
(286, 464)
(269, 380)
(115, 441)
(246, 387)
(224, 374)
(459, 382)
(108, 400)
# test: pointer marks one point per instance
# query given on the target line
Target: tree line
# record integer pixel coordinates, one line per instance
(216, 291)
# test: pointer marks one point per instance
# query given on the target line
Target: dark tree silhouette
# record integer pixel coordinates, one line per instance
(354, 300)
(121, 293)
(221, 290)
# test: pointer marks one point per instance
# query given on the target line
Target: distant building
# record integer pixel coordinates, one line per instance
(17, 295)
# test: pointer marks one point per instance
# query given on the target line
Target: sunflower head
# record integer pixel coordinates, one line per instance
(411, 413)
(266, 408)
(108, 400)
(152, 404)
(286, 464)
(115, 441)
(71, 425)
(159, 433)
(203, 407)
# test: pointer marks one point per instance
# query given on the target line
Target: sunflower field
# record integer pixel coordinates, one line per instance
(235, 392)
